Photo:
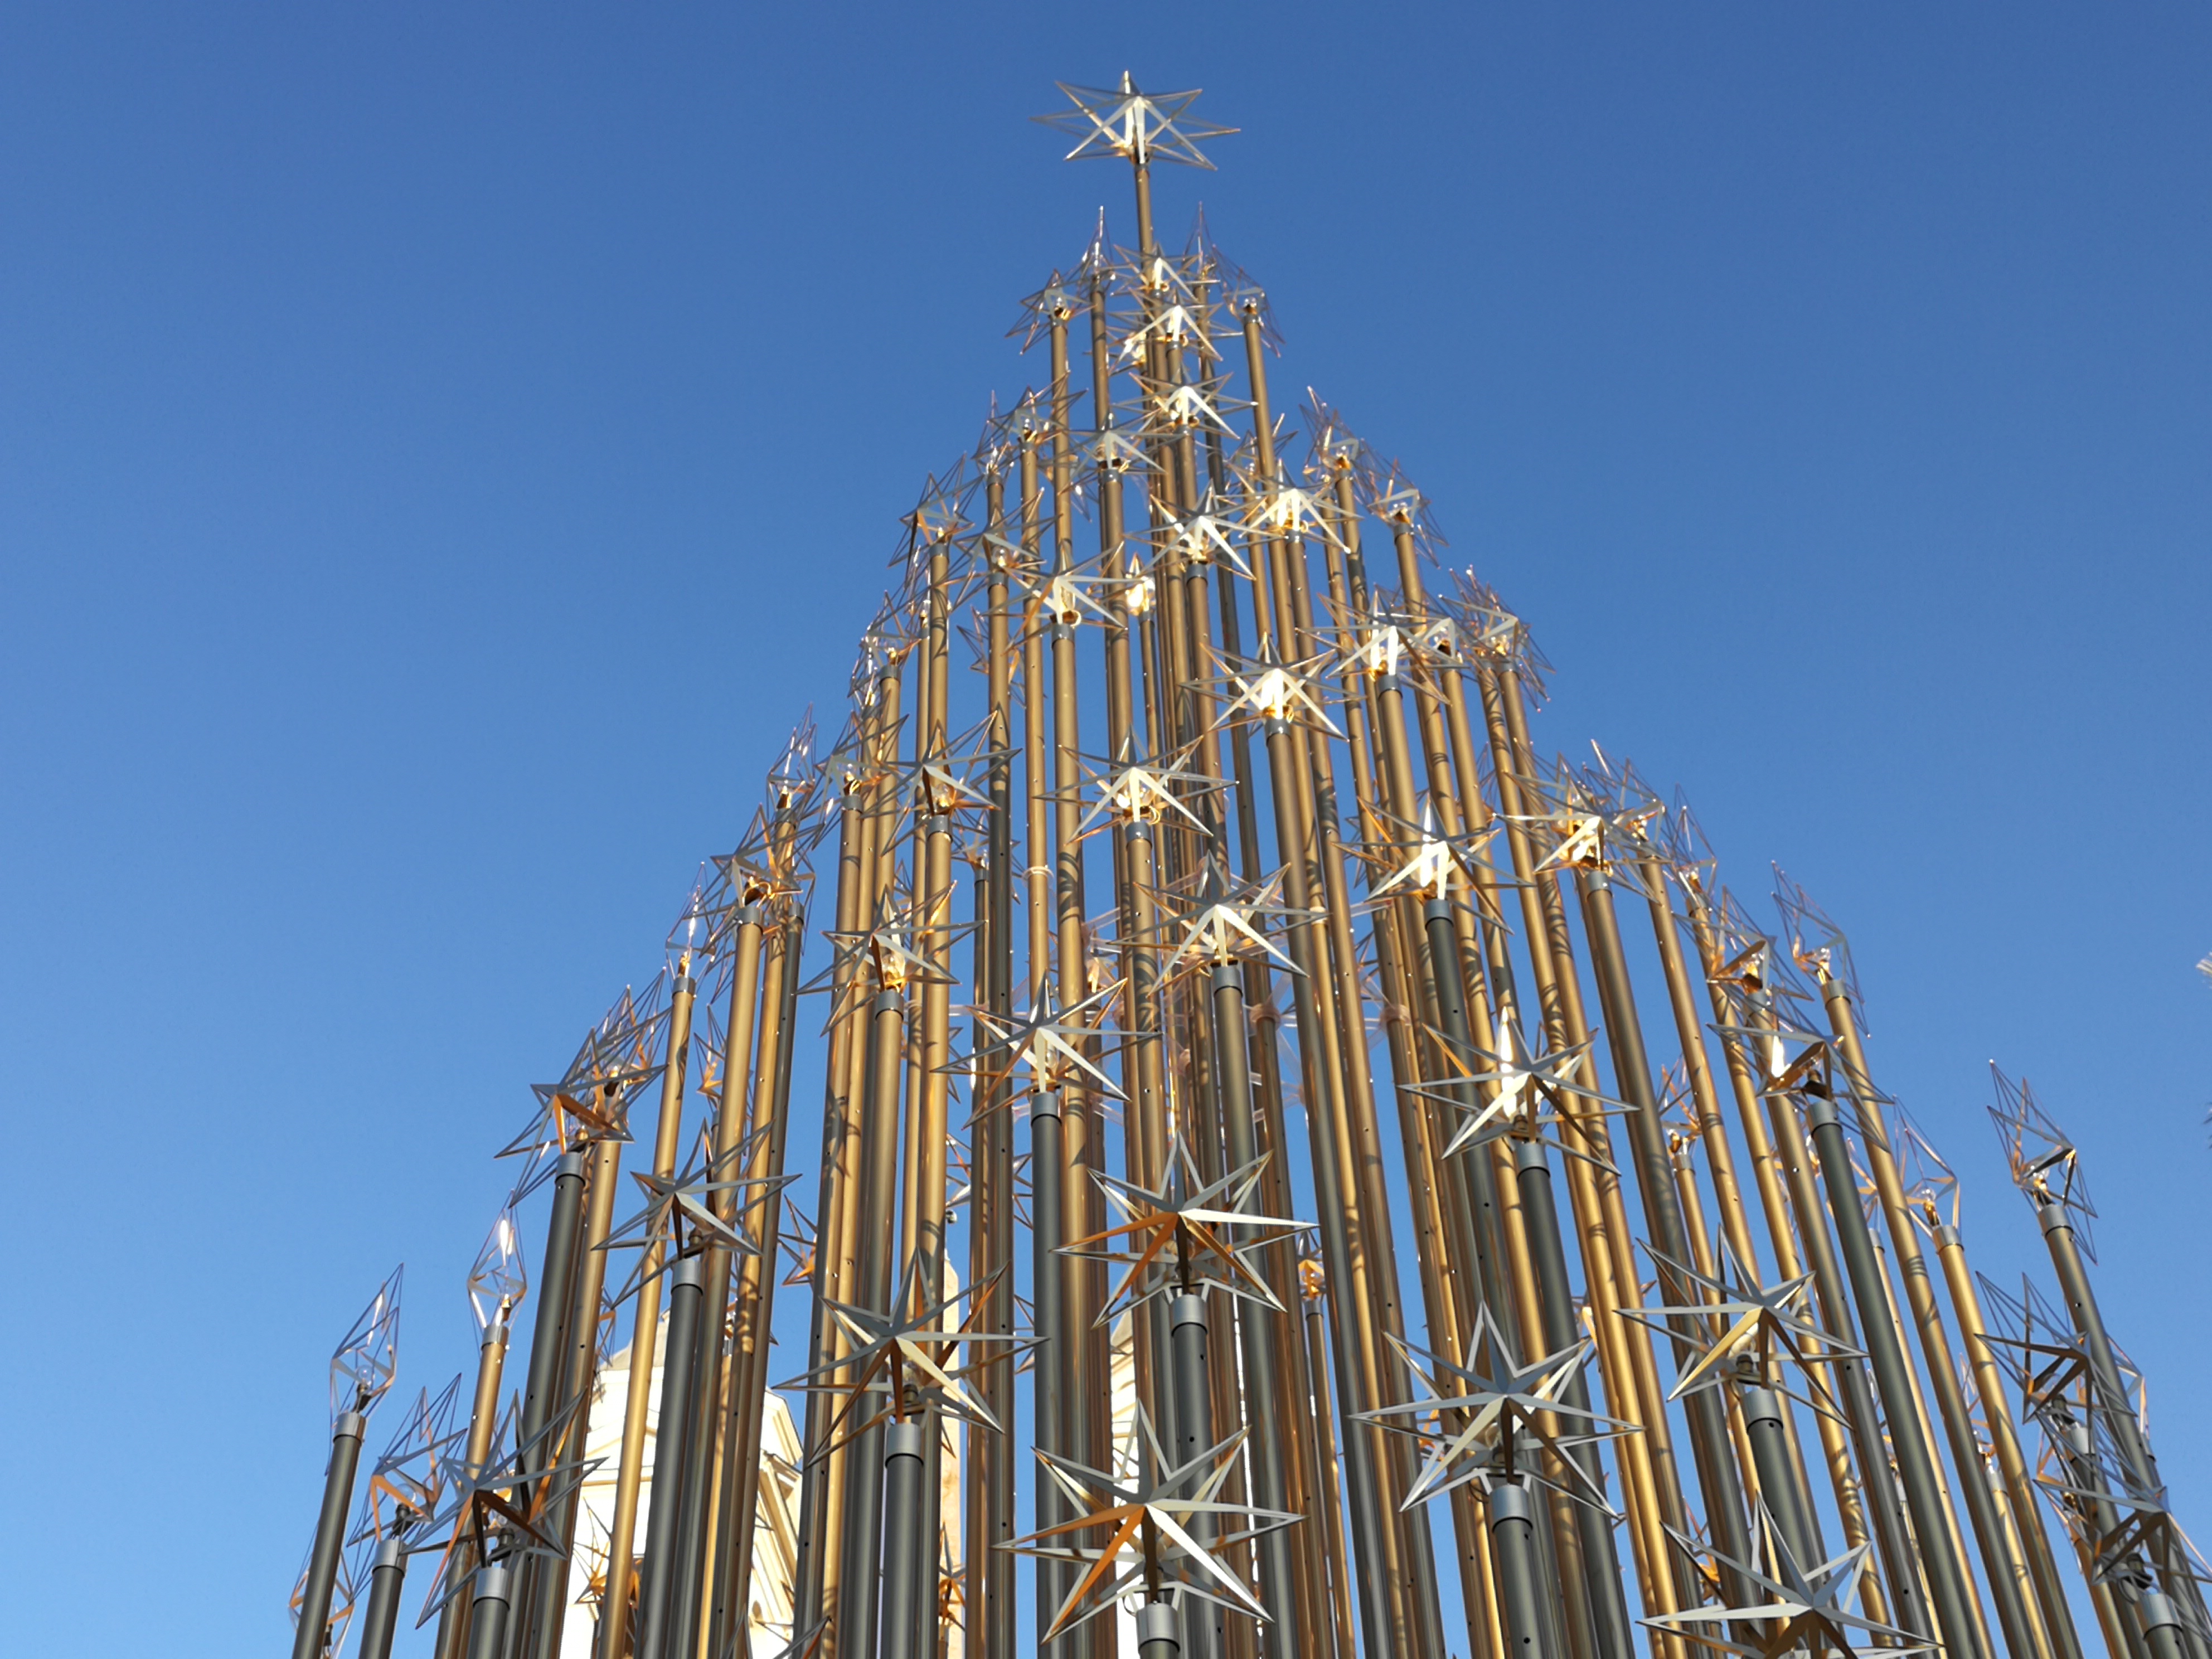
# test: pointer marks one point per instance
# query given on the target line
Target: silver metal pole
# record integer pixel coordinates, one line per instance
(904, 1448)
(329, 1534)
(382, 1618)
(655, 1611)
(1513, 1559)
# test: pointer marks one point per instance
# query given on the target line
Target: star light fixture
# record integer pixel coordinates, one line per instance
(1048, 1040)
(368, 1357)
(1139, 128)
(1761, 1325)
(1148, 1511)
(900, 1362)
(1805, 1608)
(1470, 1416)
(1195, 1221)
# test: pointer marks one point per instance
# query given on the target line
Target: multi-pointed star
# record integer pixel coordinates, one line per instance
(1224, 921)
(1760, 1322)
(2043, 1161)
(618, 1057)
(1149, 1512)
(408, 1481)
(1292, 514)
(1183, 1234)
(899, 1363)
(508, 1509)
(1804, 1609)
(497, 1278)
(1434, 856)
(679, 1216)
(369, 1357)
(1274, 690)
(1816, 945)
(1470, 1416)
(1203, 535)
(1143, 791)
(1523, 1085)
(1138, 127)
(1047, 1039)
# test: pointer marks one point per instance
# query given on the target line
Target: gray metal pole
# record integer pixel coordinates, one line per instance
(488, 1617)
(1763, 1426)
(904, 1446)
(1948, 1585)
(1540, 1223)
(329, 1534)
(1513, 1559)
(1045, 1235)
(1193, 1403)
(655, 1607)
(382, 1618)
(1255, 1334)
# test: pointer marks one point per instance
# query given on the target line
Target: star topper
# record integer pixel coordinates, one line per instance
(408, 1482)
(2045, 1164)
(1470, 1415)
(508, 1509)
(1805, 1608)
(900, 1362)
(1047, 1039)
(369, 1357)
(679, 1212)
(1129, 124)
(1762, 1323)
(1150, 1509)
(1524, 1084)
(1224, 921)
(1193, 1219)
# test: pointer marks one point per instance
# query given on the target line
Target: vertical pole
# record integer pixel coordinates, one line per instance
(329, 1534)
(663, 1523)
(905, 1526)
(645, 1330)
(1513, 1551)
(1947, 1580)
(2019, 1486)
(382, 1618)
(1046, 1234)
(1194, 1402)
(487, 1613)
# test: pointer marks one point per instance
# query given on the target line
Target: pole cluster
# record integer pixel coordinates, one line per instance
(1297, 1171)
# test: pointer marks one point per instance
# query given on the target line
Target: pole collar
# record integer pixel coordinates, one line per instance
(491, 1583)
(571, 1166)
(905, 1440)
(690, 1274)
(388, 1554)
(348, 1426)
(1509, 1501)
(1187, 1310)
(1155, 1622)
(2052, 1217)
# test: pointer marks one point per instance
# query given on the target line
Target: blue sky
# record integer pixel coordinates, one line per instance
(443, 448)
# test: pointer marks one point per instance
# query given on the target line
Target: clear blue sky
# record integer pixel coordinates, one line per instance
(442, 449)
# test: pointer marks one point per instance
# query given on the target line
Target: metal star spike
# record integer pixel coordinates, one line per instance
(1048, 1040)
(1148, 1514)
(1138, 127)
(1183, 1235)
(1471, 1415)
(1224, 925)
(899, 1363)
(1760, 1323)
(507, 1511)
(369, 1357)
(1805, 1608)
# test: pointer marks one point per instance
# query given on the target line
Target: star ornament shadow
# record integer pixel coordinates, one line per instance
(1805, 1608)
(1150, 1513)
